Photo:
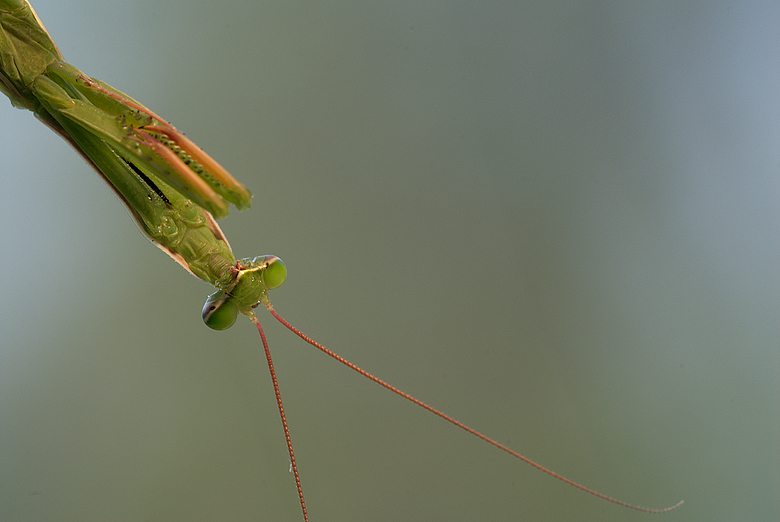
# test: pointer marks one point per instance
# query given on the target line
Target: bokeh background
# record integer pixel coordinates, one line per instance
(557, 221)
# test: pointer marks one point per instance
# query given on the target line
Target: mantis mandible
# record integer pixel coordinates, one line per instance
(171, 187)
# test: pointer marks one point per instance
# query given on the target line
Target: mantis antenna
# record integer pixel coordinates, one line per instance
(419, 403)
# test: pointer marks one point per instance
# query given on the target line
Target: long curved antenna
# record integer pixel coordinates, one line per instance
(457, 423)
(293, 465)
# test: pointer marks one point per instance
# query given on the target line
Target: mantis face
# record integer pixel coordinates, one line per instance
(253, 278)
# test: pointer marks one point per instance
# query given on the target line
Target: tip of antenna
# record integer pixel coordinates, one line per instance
(671, 508)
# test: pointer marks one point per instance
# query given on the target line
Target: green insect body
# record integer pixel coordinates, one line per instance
(170, 186)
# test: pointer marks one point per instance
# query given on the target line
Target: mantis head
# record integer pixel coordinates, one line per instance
(251, 282)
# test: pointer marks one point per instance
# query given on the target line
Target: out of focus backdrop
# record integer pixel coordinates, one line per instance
(558, 222)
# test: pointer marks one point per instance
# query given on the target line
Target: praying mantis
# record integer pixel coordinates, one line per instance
(172, 189)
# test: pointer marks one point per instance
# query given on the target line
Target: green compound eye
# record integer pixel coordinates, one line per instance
(275, 272)
(220, 311)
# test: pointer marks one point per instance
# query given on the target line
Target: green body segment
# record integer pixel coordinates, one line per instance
(170, 186)
(26, 49)
(140, 137)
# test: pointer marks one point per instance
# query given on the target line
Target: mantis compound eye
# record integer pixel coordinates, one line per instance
(275, 272)
(220, 311)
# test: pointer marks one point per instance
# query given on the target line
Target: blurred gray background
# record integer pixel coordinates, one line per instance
(557, 221)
